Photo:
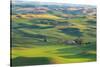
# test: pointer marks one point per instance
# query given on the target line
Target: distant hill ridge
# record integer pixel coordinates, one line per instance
(49, 3)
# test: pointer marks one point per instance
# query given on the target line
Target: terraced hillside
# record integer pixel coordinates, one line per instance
(52, 35)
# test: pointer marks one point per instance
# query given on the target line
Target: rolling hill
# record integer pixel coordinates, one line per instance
(52, 34)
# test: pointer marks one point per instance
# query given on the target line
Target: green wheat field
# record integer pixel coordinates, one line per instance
(49, 33)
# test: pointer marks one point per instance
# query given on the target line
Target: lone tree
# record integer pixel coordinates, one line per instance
(45, 39)
(79, 41)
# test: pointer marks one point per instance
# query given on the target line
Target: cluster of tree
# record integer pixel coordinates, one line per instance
(78, 41)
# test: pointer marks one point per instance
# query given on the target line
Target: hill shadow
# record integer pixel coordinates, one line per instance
(21, 25)
(72, 31)
(25, 61)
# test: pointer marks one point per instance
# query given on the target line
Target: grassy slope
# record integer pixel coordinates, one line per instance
(57, 54)
(28, 46)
